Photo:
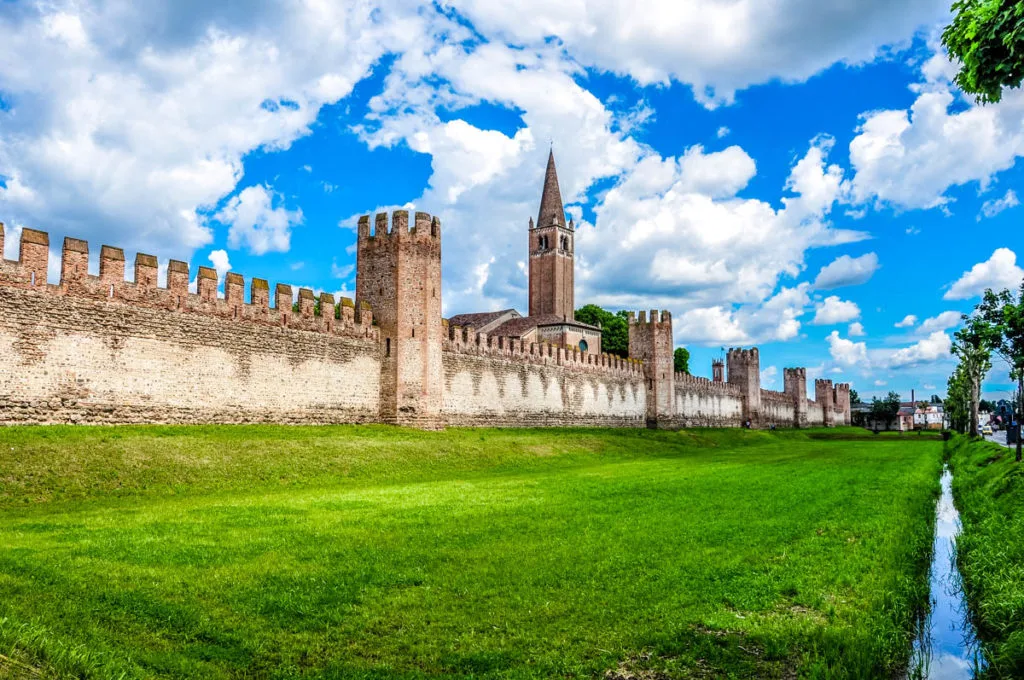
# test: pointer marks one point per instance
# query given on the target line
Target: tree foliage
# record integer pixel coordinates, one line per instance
(885, 410)
(973, 345)
(1004, 312)
(958, 400)
(681, 358)
(987, 38)
(614, 327)
(855, 398)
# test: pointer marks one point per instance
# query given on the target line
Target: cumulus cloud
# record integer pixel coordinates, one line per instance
(909, 158)
(846, 352)
(994, 206)
(943, 321)
(908, 321)
(769, 375)
(998, 272)
(847, 271)
(219, 260)
(255, 222)
(936, 346)
(834, 310)
(856, 330)
(851, 354)
(717, 48)
(128, 123)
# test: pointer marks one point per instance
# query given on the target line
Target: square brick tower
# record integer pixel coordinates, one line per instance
(651, 342)
(399, 275)
(744, 367)
(551, 253)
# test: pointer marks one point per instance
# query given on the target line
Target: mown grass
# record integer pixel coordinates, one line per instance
(375, 552)
(988, 487)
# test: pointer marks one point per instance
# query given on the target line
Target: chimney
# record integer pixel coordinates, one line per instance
(912, 400)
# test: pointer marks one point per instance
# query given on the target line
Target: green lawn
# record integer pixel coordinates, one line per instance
(988, 487)
(376, 552)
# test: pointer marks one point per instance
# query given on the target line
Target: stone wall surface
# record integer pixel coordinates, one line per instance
(69, 360)
(700, 402)
(777, 409)
(506, 391)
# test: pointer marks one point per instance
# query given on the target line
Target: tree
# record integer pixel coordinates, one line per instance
(973, 345)
(1005, 312)
(855, 398)
(936, 399)
(987, 38)
(886, 410)
(987, 406)
(958, 400)
(614, 327)
(681, 358)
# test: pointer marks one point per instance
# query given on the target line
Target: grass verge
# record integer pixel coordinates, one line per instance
(988, 487)
(375, 552)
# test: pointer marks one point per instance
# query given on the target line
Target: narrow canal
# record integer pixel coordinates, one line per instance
(947, 646)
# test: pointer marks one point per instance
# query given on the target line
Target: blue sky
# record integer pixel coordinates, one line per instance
(796, 176)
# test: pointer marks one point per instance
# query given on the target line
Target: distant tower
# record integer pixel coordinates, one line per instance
(551, 253)
(744, 367)
(399, 274)
(651, 342)
(825, 395)
(795, 380)
(718, 371)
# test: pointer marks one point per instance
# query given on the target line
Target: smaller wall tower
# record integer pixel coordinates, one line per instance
(399, 275)
(795, 381)
(744, 371)
(841, 398)
(651, 342)
(825, 396)
(717, 371)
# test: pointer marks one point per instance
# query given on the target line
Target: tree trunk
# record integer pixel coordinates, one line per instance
(1020, 413)
(975, 397)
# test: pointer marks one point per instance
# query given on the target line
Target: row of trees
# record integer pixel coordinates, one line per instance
(615, 334)
(994, 329)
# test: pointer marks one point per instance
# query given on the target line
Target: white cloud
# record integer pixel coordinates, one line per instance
(847, 352)
(910, 158)
(847, 271)
(993, 207)
(880, 383)
(998, 272)
(127, 123)
(856, 330)
(936, 346)
(722, 132)
(943, 321)
(716, 47)
(908, 321)
(219, 260)
(768, 376)
(834, 310)
(256, 223)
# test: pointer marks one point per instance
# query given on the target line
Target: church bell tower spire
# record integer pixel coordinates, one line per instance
(551, 253)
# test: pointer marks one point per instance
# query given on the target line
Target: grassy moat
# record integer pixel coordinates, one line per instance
(375, 552)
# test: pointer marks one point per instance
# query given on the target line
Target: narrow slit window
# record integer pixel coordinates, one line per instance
(387, 347)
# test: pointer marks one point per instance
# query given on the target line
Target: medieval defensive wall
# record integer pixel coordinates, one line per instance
(107, 348)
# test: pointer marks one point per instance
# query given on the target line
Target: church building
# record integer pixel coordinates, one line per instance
(552, 294)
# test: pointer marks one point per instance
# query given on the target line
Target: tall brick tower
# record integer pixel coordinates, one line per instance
(399, 274)
(744, 366)
(651, 341)
(551, 253)
(825, 395)
(795, 380)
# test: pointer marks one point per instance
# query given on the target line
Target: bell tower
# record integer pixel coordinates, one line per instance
(551, 253)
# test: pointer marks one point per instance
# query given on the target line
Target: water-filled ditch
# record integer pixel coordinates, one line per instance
(946, 647)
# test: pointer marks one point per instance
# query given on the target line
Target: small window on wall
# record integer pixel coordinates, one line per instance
(584, 346)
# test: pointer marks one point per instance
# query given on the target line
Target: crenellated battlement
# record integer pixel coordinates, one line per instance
(656, 319)
(425, 227)
(709, 385)
(110, 286)
(466, 340)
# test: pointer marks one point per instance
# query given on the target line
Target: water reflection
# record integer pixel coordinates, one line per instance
(947, 646)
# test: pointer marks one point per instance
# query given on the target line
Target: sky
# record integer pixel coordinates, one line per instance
(799, 175)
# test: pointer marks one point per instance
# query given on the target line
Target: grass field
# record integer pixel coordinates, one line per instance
(375, 552)
(989, 490)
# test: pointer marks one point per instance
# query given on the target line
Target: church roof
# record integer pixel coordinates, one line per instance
(516, 328)
(551, 198)
(481, 319)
